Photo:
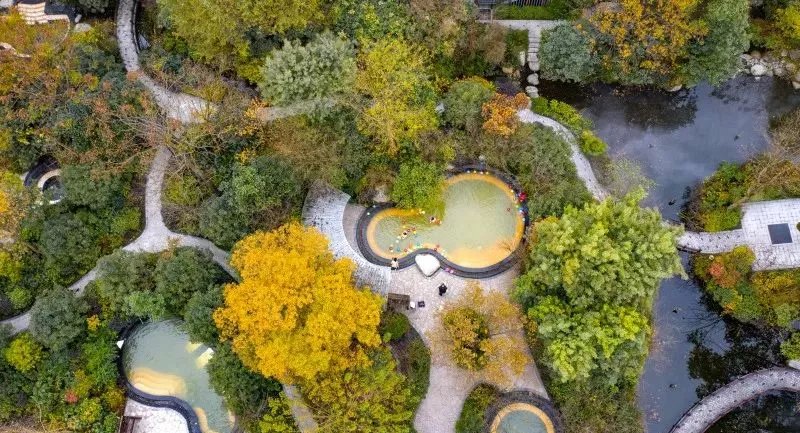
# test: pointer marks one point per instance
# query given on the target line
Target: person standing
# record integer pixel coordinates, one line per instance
(442, 289)
(395, 265)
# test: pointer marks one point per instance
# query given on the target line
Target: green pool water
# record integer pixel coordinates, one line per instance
(482, 224)
(521, 421)
(159, 359)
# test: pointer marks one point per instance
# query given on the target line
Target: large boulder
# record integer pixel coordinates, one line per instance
(428, 264)
(758, 70)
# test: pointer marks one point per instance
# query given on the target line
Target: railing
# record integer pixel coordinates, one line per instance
(491, 3)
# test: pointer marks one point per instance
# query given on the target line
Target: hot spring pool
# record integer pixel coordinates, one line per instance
(482, 224)
(159, 360)
(522, 418)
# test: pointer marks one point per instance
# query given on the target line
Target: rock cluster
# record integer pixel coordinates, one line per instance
(785, 64)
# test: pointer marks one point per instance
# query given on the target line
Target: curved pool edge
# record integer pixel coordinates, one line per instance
(158, 401)
(406, 261)
(526, 397)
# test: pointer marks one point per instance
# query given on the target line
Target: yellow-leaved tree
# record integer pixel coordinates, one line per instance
(296, 311)
(482, 332)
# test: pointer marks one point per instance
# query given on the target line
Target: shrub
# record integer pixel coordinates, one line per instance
(563, 113)
(394, 326)
(463, 103)
(592, 144)
(23, 353)
(183, 190)
(419, 185)
(473, 413)
(180, 274)
(419, 366)
(791, 347)
(58, 318)
(566, 54)
(500, 113)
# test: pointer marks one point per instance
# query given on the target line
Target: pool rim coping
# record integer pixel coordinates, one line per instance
(408, 260)
(157, 401)
(527, 397)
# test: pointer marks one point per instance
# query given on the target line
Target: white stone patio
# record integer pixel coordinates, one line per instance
(757, 217)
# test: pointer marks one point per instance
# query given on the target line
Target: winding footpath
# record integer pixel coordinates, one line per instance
(449, 386)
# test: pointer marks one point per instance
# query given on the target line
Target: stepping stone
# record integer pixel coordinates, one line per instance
(428, 264)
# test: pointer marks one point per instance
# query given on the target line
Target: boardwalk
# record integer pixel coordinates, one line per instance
(710, 409)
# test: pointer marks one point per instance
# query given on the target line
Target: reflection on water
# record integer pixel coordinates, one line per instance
(679, 139)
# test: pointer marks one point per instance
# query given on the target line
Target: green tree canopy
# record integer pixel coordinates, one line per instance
(323, 68)
(566, 54)
(590, 284)
(228, 32)
(58, 318)
(419, 185)
(376, 396)
(182, 273)
(612, 253)
(244, 390)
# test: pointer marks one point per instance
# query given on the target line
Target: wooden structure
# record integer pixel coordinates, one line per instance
(397, 301)
(486, 7)
(128, 423)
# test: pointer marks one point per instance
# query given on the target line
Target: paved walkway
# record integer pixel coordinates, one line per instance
(710, 409)
(450, 385)
(534, 28)
(328, 209)
(155, 419)
(325, 209)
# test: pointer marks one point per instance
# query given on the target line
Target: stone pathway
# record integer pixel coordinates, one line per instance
(324, 209)
(534, 28)
(450, 385)
(178, 106)
(710, 409)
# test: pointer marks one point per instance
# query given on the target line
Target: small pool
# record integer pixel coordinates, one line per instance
(482, 225)
(522, 418)
(159, 360)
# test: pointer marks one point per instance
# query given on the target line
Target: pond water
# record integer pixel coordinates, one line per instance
(482, 224)
(159, 359)
(679, 139)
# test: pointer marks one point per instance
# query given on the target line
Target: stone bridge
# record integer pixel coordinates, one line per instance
(713, 407)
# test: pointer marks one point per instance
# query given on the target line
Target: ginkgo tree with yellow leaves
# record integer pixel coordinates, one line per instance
(296, 312)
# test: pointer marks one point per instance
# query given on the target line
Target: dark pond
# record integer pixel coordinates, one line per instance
(679, 139)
